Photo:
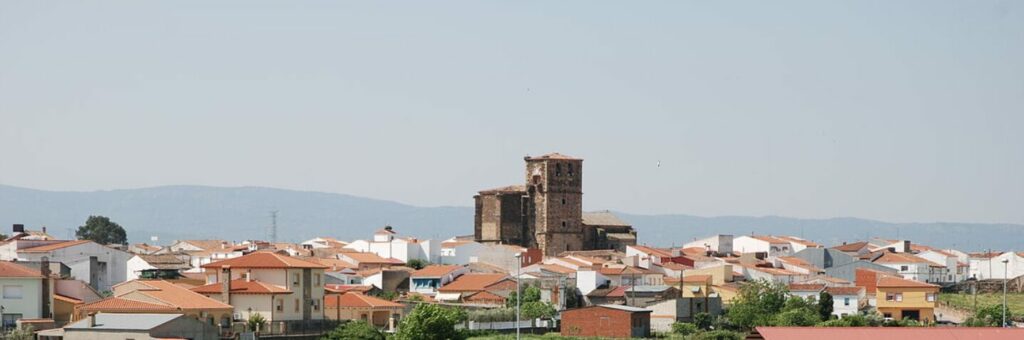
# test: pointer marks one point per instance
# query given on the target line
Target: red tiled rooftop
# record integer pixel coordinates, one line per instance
(890, 333)
(806, 287)
(265, 259)
(115, 305)
(472, 282)
(435, 270)
(241, 286)
(8, 269)
(851, 247)
(358, 300)
(894, 282)
(53, 246)
(844, 290)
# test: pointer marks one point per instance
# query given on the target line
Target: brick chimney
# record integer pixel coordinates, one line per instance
(225, 291)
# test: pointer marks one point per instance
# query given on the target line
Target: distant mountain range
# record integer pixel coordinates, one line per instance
(194, 212)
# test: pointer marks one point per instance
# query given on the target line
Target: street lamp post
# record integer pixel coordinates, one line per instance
(519, 297)
(1005, 279)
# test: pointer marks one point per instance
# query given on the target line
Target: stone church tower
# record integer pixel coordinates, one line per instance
(547, 212)
(555, 191)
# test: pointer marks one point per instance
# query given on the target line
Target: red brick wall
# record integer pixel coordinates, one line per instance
(602, 322)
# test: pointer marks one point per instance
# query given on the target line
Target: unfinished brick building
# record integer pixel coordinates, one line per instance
(547, 212)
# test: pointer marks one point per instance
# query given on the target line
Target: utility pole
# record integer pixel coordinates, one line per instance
(1005, 280)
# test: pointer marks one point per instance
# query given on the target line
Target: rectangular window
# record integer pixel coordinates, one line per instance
(295, 279)
(316, 280)
(890, 297)
(297, 305)
(930, 297)
(846, 301)
(904, 268)
(12, 292)
(899, 297)
(10, 320)
(316, 304)
(280, 305)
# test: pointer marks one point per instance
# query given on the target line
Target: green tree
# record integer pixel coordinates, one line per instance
(389, 295)
(537, 309)
(702, 320)
(102, 230)
(256, 322)
(354, 330)
(417, 264)
(719, 335)
(797, 317)
(825, 305)
(988, 316)
(756, 304)
(530, 294)
(431, 322)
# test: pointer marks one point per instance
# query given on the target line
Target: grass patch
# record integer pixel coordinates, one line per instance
(1014, 301)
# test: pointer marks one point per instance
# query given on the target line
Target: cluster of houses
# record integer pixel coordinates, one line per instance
(207, 289)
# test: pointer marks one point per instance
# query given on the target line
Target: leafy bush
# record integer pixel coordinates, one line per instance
(683, 328)
(988, 316)
(431, 322)
(256, 322)
(719, 335)
(702, 320)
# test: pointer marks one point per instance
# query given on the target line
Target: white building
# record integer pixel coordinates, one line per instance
(454, 251)
(322, 242)
(846, 300)
(426, 281)
(89, 261)
(990, 266)
(202, 252)
(718, 244)
(772, 246)
(386, 245)
(908, 265)
(140, 263)
(22, 294)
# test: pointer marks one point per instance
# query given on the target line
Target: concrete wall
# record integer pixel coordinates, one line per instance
(29, 305)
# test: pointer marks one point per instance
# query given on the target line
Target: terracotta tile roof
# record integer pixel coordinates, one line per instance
(165, 261)
(241, 286)
(773, 271)
(333, 264)
(554, 155)
(264, 259)
(67, 299)
(473, 282)
(806, 287)
(693, 251)
(895, 282)
(557, 268)
(769, 239)
(176, 295)
(116, 304)
(337, 288)
(890, 333)
(653, 251)
(8, 269)
(53, 246)
(358, 300)
(888, 257)
(627, 270)
(851, 247)
(435, 270)
(370, 258)
(689, 278)
(207, 244)
(844, 290)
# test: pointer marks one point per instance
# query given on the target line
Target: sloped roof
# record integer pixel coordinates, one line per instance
(844, 290)
(8, 269)
(851, 247)
(435, 270)
(339, 288)
(127, 321)
(806, 287)
(517, 188)
(165, 261)
(241, 286)
(603, 218)
(652, 251)
(473, 282)
(895, 282)
(179, 296)
(557, 269)
(370, 258)
(890, 333)
(207, 244)
(116, 304)
(358, 300)
(53, 246)
(263, 259)
(888, 257)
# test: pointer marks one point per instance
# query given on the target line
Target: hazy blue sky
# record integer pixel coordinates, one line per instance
(893, 110)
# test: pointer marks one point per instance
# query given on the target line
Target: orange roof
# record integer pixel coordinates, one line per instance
(370, 258)
(264, 259)
(358, 300)
(333, 264)
(895, 282)
(473, 282)
(888, 257)
(889, 333)
(67, 299)
(627, 270)
(53, 246)
(844, 290)
(850, 247)
(339, 288)
(8, 269)
(653, 251)
(116, 304)
(435, 270)
(176, 295)
(557, 268)
(241, 286)
(694, 251)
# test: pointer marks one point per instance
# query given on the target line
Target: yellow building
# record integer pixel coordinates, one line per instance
(906, 299)
(693, 286)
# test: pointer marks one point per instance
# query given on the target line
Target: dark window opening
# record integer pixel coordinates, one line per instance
(558, 170)
(563, 201)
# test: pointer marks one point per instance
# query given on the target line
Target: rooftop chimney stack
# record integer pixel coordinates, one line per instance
(92, 319)
(225, 292)
(906, 246)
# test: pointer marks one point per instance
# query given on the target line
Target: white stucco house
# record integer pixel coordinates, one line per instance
(99, 265)
(386, 244)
